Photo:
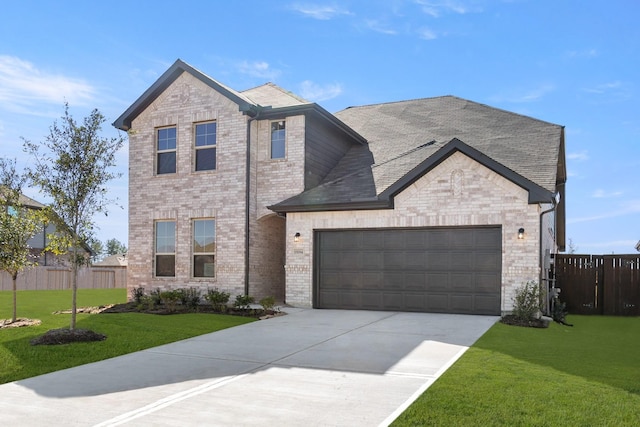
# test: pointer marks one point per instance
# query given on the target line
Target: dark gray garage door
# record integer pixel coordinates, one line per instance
(439, 270)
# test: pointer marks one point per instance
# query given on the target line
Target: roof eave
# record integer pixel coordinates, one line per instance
(325, 207)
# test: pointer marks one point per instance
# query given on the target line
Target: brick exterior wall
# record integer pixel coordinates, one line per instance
(458, 192)
(219, 194)
(186, 194)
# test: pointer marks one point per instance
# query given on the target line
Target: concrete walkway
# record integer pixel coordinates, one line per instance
(308, 368)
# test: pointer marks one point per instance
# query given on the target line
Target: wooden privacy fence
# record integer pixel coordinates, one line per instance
(49, 278)
(599, 284)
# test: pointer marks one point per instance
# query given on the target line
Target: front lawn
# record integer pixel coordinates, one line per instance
(586, 375)
(126, 332)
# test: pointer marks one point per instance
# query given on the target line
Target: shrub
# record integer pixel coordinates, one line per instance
(243, 302)
(137, 295)
(189, 298)
(155, 297)
(170, 299)
(527, 301)
(268, 303)
(217, 299)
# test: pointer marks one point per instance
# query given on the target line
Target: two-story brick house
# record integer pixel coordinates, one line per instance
(436, 204)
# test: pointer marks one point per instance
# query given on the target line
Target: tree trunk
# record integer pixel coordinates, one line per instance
(74, 286)
(14, 277)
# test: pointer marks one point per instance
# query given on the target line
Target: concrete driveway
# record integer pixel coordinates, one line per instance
(310, 367)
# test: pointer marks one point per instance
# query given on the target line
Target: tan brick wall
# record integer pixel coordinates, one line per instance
(458, 192)
(187, 194)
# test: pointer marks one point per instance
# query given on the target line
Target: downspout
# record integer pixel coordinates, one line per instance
(540, 254)
(247, 210)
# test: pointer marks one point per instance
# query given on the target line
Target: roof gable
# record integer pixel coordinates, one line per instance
(166, 79)
(274, 96)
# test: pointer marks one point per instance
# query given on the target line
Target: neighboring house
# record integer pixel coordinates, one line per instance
(39, 242)
(638, 246)
(117, 260)
(435, 205)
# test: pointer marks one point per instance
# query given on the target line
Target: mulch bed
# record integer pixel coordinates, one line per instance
(530, 323)
(66, 336)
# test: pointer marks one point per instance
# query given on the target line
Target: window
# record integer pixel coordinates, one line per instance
(204, 247)
(165, 248)
(205, 146)
(277, 140)
(166, 150)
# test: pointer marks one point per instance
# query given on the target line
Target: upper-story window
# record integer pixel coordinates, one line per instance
(166, 150)
(205, 146)
(278, 139)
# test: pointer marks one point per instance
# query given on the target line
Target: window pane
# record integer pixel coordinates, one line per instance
(167, 162)
(205, 159)
(204, 236)
(165, 265)
(166, 237)
(167, 139)
(277, 149)
(203, 266)
(205, 134)
(277, 140)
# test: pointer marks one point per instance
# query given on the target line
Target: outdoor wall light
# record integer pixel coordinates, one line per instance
(521, 234)
(296, 237)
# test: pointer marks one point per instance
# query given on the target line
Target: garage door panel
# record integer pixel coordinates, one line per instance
(486, 261)
(414, 301)
(437, 303)
(394, 260)
(414, 281)
(447, 269)
(437, 281)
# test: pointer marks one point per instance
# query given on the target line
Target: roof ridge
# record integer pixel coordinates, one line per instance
(281, 89)
(401, 101)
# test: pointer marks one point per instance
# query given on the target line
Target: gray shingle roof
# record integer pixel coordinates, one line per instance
(404, 136)
(528, 146)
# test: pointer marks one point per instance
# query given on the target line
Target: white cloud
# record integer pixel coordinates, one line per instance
(377, 26)
(315, 92)
(259, 69)
(23, 87)
(439, 8)
(321, 12)
(603, 88)
(623, 209)
(427, 34)
(601, 194)
(579, 156)
(525, 95)
(587, 53)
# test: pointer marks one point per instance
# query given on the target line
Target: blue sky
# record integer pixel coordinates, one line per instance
(570, 62)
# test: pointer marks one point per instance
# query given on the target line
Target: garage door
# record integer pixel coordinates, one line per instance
(439, 270)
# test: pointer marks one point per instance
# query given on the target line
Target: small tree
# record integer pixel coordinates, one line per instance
(115, 247)
(73, 169)
(18, 224)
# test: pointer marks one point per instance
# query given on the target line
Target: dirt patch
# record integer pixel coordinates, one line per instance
(530, 323)
(66, 336)
(19, 323)
(86, 310)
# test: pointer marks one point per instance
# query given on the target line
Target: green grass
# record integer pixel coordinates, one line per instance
(588, 375)
(126, 332)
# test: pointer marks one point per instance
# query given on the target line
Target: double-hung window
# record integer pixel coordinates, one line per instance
(166, 150)
(278, 139)
(205, 146)
(165, 248)
(204, 247)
